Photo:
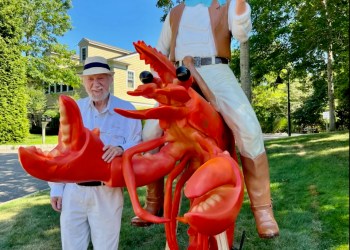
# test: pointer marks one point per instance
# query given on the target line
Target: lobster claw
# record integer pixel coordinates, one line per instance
(217, 196)
(177, 95)
(77, 147)
(159, 62)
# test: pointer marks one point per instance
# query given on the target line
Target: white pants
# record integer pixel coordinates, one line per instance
(91, 212)
(234, 107)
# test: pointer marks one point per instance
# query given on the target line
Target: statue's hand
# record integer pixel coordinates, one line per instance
(240, 7)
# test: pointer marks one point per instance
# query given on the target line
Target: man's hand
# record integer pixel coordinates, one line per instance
(56, 203)
(111, 152)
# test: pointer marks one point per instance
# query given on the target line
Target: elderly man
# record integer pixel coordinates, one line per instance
(202, 29)
(91, 209)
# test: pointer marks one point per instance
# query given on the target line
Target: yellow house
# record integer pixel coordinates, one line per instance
(126, 65)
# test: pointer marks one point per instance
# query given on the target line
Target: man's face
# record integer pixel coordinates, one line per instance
(97, 86)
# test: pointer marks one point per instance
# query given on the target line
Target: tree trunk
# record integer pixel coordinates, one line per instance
(330, 59)
(331, 104)
(244, 68)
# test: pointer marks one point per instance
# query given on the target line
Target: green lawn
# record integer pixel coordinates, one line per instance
(36, 139)
(310, 189)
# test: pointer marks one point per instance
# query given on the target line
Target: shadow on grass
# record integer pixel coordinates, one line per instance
(310, 190)
(29, 223)
(152, 237)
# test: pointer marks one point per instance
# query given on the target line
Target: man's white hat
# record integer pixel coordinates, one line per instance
(96, 65)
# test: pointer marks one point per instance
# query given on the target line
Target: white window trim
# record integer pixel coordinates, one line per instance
(127, 79)
(81, 53)
(58, 88)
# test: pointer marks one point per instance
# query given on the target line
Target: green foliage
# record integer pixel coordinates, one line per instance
(298, 35)
(166, 5)
(14, 125)
(37, 101)
(54, 124)
(31, 56)
(53, 113)
(270, 107)
(269, 45)
(310, 113)
(343, 115)
(47, 60)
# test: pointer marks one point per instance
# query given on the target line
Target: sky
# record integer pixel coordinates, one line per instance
(114, 22)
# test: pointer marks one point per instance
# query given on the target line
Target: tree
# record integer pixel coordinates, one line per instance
(31, 57)
(270, 108)
(47, 60)
(166, 5)
(321, 39)
(308, 114)
(36, 105)
(269, 45)
(13, 113)
(310, 39)
(245, 70)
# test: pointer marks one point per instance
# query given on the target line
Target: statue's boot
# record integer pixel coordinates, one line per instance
(154, 202)
(257, 180)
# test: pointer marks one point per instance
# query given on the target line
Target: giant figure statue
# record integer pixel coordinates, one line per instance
(203, 30)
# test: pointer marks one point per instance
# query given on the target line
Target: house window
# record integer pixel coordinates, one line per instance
(64, 88)
(52, 88)
(131, 79)
(58, 88)
(83, 53)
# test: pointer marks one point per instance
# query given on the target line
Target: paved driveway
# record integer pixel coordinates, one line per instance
(14, 181)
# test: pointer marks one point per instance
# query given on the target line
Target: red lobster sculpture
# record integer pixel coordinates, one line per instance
(193, 151)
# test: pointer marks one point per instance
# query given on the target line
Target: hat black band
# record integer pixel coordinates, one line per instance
(96, 64)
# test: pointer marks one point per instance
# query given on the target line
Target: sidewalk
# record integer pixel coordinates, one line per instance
(14, 148)
(279, 135)
(275, 136)
(48, 147)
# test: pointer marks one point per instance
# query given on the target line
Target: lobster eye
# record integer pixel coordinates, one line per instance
(146, 77)
(183, 73)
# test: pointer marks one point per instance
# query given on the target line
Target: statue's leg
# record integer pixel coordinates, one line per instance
(257, 180)
(154, 202)
(240, 117)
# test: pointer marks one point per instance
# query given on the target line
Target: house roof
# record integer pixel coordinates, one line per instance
(118, 58)
(122, 51)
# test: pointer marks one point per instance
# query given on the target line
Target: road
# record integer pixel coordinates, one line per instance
(14, 181)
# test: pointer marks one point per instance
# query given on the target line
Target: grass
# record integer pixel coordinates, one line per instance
(310, 190)
(36, 139)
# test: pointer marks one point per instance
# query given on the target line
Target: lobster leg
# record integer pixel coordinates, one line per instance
(170, 235)
(130, 181)
(178, 194)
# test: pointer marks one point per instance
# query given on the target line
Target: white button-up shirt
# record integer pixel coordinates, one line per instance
(115, 130)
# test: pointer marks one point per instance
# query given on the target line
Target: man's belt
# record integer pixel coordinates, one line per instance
(200, 61)
(91, 184)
